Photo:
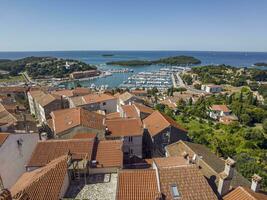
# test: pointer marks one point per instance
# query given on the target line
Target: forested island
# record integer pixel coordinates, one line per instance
(176, 60)
(107, 55)
(37, 67)
(261, 64)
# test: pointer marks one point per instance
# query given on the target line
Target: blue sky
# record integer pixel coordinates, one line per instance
(224, 25)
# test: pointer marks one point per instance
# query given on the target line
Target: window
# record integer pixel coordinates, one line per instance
(130, 139)
(131, 151)
(104, 103)
(175, 192)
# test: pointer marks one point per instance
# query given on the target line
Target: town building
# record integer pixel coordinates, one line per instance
(85, 74)
(67, 93)
(127, 98)
(217, 111)
(15, 151)
(160, 131)
(95, 102)
(66, 123)
(42, 104)
(211, 166)
(211, 88)
(130, 131)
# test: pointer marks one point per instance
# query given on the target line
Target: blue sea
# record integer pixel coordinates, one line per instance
(237, 59)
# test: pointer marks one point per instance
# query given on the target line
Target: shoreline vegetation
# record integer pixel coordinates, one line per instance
(261, 64)
(38, 67)
(107, 55)
(176, 60)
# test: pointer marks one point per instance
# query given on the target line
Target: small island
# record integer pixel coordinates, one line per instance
(40, 67)
(107, 55)
(261, 64)
(175, 60)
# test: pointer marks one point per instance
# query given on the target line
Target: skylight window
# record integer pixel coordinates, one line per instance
(175, 192)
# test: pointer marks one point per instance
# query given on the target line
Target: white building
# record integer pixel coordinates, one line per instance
(218, 111)
(211, 88)
(15, 151)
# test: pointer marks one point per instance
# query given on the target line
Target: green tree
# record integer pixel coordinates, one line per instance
(245, 119)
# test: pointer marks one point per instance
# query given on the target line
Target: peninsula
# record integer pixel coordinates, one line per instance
(261, 64)
(176, 60)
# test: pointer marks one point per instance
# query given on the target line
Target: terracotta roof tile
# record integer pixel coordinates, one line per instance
(43, 183)
(114, 115)
(125, 127)
(43, 98)
(70, 93)
(191, 184)
(94, 98)
(130, 111)
(65, 119)
(109, 153)
(157, 121)
(45, 151)
(223, 108)
(144, 109)
(3, 137)
(84, 136)
(242, 193)
(125, 96)
(170, 161)
(137, 185)
(215, 163)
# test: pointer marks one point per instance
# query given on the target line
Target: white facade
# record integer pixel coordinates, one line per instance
(216, 114)
(211, 88)
(14, 155)
(31, 104)
(109, 105)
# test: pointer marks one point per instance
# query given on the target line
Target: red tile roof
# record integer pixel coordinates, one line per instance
(140, 184)
(45, 151)
(3, 137)
(65, 119)
(223, 108)
(144, 109)
(242, 193)
(43, 98)
(84, 136)
(43, 183)
(114, 115)
(157, 122)
(130, 111)
(125, 127)
(172, 161)
(191, 184)
(109, 153)
(94, 98)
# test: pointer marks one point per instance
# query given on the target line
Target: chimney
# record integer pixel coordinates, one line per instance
(255, 185)
(226, 176)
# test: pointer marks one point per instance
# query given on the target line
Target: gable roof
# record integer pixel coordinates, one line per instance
(157, 122)
(65, 119)
(191, 184)
(91, 98)
(43, 98)
(223, 108)
(144, 109)
(139, 184)
(125, 127)
(170, 161)
(43, 183)
(130, 111)
(109, 153)
(6, 117)
(45, 151)
(243, 193)
(210, 159)
(125, 96)
(3, 137)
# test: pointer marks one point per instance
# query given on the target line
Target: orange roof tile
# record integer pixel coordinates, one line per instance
(130, 111)
(3, 137)
(43, 183)
(170, 161)
(43, 98)
(94, 98)
(223, 108)
(157, 121)
(84, 136)
(242, 193)
(142, 108)
(125, 127)
(65, 119)
(140, 184)
(114, 115)
(191, 184)
(45, 151)
(109, 153)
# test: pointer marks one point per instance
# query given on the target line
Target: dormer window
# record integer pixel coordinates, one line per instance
(175, 192)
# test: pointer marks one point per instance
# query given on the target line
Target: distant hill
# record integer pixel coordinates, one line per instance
(44, 66)
(261, 64)
(176, 60)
